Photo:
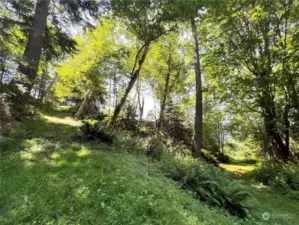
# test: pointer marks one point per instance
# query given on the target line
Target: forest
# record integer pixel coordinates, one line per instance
(149, 112)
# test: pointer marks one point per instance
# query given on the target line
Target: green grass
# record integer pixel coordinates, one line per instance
(47, 178)
(281, 208)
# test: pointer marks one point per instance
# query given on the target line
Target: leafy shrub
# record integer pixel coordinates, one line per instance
(222, 157)
(95, 130)
(209, 156)
(245, 151)
(125, 142)
(266, 174)
(155, 148)
(283, 178)
(215, 157)
(7, 144)
(210, 185)
(292, 179)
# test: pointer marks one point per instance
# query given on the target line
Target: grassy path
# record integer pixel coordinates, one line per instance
(274, 207)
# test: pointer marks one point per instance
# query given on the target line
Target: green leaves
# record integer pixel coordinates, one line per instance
(212, 186)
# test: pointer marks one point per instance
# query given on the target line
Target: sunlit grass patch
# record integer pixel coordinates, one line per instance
(28, 156)
(83, 152)
(65, 121)
(108, 187)
(55, 155)
(239, 169)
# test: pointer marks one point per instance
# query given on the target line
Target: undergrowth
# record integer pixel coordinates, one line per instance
(47, 177)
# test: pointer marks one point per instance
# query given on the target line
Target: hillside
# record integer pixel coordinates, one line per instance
(48, 178)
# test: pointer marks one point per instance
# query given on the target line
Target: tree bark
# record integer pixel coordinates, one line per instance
(165, 93)
(42, 86)
(82, 105)
(2, 71)
(135, 74)
(287, 126)
(33, 49)
(115, 90)
(278, 148)
(198, 107)
(140, 101)
(49, 87)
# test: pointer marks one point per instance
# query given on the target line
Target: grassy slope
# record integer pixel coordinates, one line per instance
(281, 208)
(54, 180)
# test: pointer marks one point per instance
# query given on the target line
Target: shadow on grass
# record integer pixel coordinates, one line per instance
(57, 111)
(46, 128)
(49, 186)
(79, 186)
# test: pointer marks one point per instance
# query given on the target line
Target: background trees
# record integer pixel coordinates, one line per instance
(251, 52)
(129, 106)
(239, 80)
(33, 16)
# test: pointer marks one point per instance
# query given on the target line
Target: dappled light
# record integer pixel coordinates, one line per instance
(238, 169)
(149, 112)
(64, 121)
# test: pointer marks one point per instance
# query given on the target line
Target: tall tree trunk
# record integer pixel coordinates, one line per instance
(279, 149)
(198, 107)
(82, 105)
(165, 93)
(134, 76)
(33, 49)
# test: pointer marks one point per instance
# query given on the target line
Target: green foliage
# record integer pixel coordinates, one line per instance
(175, 127)
(284, 178)
(211, 185)
(143, 18)
(243, 151)
(209, 156)
(90, 66)
(215, 157)
(246, 56)
(155, 148)
(58, 181)
(47, 177)
(125, 142)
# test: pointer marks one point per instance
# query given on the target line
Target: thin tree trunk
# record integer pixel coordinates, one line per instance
(36, 90)
(135, 74)
(165, 93)
(140, 102)
(287, 126)
(141, 110)
(49, 87)
(155, 108)
(82, 105)
(33, 49)
(110, 95)
(198, 107)
(2, 71)
(42, 86)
